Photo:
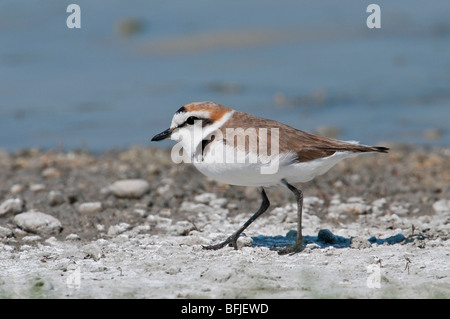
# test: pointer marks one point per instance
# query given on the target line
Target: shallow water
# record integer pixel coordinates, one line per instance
(117, 81)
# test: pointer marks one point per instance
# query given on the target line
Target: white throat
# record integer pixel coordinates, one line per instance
(190, 138)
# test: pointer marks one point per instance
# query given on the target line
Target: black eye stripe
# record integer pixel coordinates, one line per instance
(191, 120)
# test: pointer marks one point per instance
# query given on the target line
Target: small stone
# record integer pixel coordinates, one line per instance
(93, 251)
(12, 206)
(244, 241)
(182, 228)
(17, 188)
(349, 208)
(73, 237)
(17, 232)
(219, 202)
(380, 202)
(161, 190)
(165, 212)
(441, 206)
(172, 270)
(355, 200)
(378, 206)
(338, 184)
(121, 238)
(205, 198)
(130, 188)
(32, 238)
(105, 191)
(198, 208)
(37, 222)
(51, 172)
(55, 198)
(24, 247)
(141, 229)
(118, 229)
(90, 208)
(36, 188)
(52, 241)
(312, 200)
(140, 212)
(159, 222)
(5, 232)
(398, 209)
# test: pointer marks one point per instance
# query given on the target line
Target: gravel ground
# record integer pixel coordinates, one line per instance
(130, 224)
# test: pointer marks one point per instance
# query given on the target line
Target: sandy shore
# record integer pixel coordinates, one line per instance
(130, 224)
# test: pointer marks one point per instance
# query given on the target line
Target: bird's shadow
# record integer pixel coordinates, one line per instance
(324, 238)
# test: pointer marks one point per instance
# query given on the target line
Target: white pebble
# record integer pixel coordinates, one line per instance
(37, 222)
(442, 205)
(162, 222)
(244, 241)
(205, 198)
(73, 237)
(181, 228)
(16, 188)
(118, 229)
(12, 205)
(36, 188)
(193, 207)
(141, 229)
(218, 202)
(140, 212)
(93, 251)
(5, 232)
(51, 172)
(161, 190)
(347, 208)
(31, 238)
(165, 212)
(90, 208)
(130, 188)
(312, 200)
(55, 198)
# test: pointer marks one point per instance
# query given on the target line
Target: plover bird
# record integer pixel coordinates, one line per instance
(237, 148)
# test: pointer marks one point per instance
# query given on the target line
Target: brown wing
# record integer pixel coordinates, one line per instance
(307, 146)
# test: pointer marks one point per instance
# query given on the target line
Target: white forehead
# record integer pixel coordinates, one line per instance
(180, 118)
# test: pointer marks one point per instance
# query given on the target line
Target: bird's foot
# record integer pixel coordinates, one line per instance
(291, 250)
(231, 241)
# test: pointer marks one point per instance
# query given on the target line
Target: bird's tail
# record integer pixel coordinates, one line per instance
(380, 149)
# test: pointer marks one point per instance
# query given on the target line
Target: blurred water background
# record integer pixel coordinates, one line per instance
(314, 65)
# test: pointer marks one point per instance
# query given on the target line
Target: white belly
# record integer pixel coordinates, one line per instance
(247, 173)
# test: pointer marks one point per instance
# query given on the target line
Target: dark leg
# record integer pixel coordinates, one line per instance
(233, 238)
(298, 246)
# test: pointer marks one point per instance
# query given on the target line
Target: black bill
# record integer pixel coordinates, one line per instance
(162, 135)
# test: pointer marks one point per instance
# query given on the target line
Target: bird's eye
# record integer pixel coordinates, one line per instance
(191, 120)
